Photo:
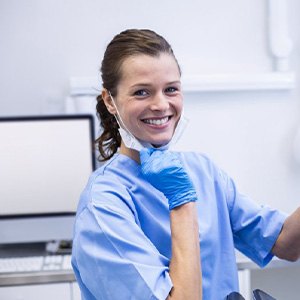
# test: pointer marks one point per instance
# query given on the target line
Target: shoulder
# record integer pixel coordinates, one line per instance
(204, 171)
(198, 161)
(108, 186)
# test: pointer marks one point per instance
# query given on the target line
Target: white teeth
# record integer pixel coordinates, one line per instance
(157, 121)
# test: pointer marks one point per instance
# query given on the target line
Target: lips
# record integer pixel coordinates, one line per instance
(157, 121)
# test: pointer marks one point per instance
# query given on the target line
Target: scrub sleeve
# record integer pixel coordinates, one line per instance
(115, 249)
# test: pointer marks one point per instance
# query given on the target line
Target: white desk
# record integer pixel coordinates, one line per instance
(246, 266)
(64, 281)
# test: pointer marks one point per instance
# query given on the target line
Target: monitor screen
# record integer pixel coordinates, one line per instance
(45, 163)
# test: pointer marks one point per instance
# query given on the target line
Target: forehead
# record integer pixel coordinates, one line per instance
(148, 68)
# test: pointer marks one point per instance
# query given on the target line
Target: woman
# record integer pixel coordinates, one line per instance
(142, 214)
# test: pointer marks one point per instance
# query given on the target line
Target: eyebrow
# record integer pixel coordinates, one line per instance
(150, 84)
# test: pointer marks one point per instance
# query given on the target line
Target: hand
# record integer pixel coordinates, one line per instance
(164, 170)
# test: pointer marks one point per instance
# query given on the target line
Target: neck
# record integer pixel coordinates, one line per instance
(133, 154)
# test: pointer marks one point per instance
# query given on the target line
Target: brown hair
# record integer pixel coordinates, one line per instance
(128, 43)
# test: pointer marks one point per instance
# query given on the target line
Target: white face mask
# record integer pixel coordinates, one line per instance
(132, 142)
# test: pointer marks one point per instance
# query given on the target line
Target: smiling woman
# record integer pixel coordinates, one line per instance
(148, 98)
(138, 65)
(141, 98)
(146, 213)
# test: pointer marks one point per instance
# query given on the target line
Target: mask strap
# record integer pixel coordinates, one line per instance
(118, 116)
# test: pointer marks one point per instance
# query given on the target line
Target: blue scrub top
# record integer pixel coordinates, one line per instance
(122, 238)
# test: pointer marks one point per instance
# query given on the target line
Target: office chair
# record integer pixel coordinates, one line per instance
(261, 295)
(234, 296)
(257, 295)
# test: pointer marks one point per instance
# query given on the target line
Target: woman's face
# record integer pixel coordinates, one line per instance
(149, 97)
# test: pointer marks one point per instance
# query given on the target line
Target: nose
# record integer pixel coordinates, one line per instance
(160, 102)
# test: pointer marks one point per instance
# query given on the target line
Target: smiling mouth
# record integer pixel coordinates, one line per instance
(157, 121)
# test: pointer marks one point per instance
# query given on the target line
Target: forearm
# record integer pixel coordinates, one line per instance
(287, 245)
(185, 266)
(166, 172)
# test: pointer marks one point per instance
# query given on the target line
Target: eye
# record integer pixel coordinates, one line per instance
(171, 90)
(141, 93)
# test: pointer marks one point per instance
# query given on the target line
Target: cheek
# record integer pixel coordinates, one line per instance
(130, 118)
(179, 106)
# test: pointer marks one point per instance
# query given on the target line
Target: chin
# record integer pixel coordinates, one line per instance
(156, 143)
(157, 146)
(160, 144)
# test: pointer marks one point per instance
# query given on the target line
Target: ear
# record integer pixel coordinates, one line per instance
(108, 102)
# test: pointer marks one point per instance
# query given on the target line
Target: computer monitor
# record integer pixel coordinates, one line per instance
(45, 163)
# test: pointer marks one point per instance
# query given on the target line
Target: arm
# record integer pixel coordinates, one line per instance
(163, 169)
(185, 269)
(287, 245)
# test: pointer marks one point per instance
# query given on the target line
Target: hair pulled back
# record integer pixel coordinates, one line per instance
(126, 44)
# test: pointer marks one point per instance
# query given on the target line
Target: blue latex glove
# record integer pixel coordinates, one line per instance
(164, 170)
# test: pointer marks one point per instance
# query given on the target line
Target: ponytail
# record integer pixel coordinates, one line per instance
(110, 140)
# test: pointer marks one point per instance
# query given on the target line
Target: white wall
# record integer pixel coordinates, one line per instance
(249, 134)
(43, 43)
